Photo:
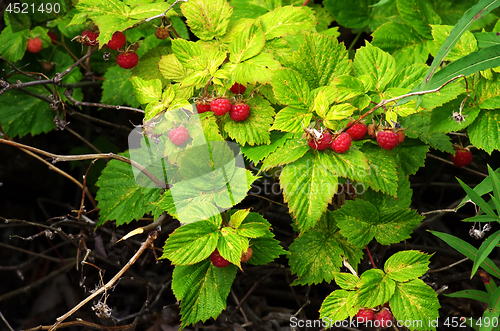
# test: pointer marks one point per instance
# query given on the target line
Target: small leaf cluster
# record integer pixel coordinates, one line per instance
(202, 287)
(409, 298)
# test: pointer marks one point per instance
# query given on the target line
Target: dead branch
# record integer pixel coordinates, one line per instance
(151, 237)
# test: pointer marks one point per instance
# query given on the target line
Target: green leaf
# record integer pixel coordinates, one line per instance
(382, 174)
(335, 306)
(255, 129)
(146, 91)
(354, 14)
(257, 69)
(469, 251)
(442, 119)
(360, 221)
(351, 164)
(248, 44)
(291, 89)
(238, 217)
(346, 281)
(440, 141)
(119, 196)
(320, 59)
(495, 184)
(210, 173)
(406, 265)
(307, 188)
(17, 21)
(478, 61)
(486, 248)
(113, 15)
(171, 68)
(231, 245)
(405, 44)
(321, 104)
(465, 45)
(202, 289)
(375, 288)
(343, 88)
(265, 248)
(251, 8)
(194, 56)
(257, 153)
(287, 20)
(315, 255)
(339, 112)
(117, 89)
(417, 302)
(290, 119)
(356, 220)
(484, 132)
(377, 65)
(487, 92)
(411, 156)
(293, 150)
(191, 243)
(487, 39)
(207, 19)
(419, 15)
(253, 230)
(476, 198)
(482, 188)
(21, 114)
(477, 295)
(481, 9)
(409, 77)
(13, 44)
(148, 70)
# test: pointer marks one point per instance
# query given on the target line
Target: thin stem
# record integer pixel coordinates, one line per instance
(165, 12)
(351, 46)
(438, 211)
(385, 102)
(57, 158)
(55, 80)
(449, 162)
(151, 237)
(370, 256)
(102, 105)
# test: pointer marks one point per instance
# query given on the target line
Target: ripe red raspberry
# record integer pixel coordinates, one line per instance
(127, 60)
(220, 106)
(357, 131)
(117, 41)
(383, 318)
(53, 37)
(218, 260)
(401, 136)
(364, 315)
(161, 32)
(322, 143)
(179, 135)
(342, 143)
(92, 36)
(387, 139)
(203, 107)
(246, 255)
(237, 88)
(34, 45)
(239, 112)
(462, 157)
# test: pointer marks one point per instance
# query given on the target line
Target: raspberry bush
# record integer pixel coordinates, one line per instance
(234, 96)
